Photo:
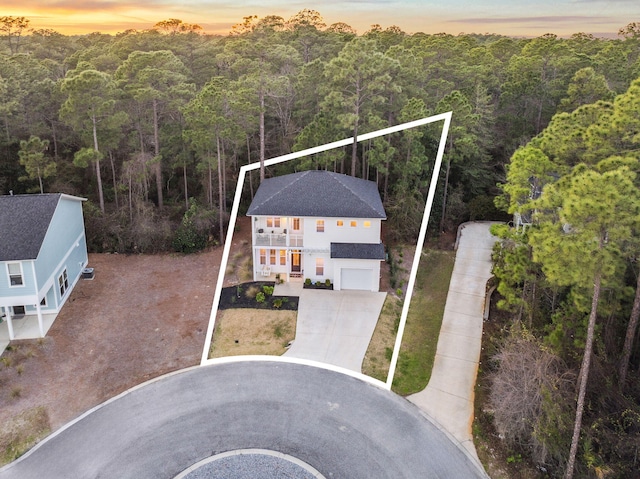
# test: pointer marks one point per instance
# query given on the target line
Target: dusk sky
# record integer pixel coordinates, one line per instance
(507, 17)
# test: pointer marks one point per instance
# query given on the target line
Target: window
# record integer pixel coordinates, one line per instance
(320, 226)
(340, 223)
(273, 222)
(354, 223)
(43, 302)
(15, 274)
(319, 266)
(367, 224)
(263, 256)
(272, 256)
(63, 283)
(296, 224)
(283, 257)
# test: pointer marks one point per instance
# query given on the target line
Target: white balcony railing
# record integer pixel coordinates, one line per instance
(278, 239)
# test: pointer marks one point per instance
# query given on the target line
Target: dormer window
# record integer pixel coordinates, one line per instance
(15, 274)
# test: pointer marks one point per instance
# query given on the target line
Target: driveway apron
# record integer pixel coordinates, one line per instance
(335, 327)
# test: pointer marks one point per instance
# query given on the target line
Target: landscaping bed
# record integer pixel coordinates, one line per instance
(308, 284)
(255, 295)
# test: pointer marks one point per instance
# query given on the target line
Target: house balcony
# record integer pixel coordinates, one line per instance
(278, 239)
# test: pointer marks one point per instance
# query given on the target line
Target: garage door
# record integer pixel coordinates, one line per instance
(351, 278)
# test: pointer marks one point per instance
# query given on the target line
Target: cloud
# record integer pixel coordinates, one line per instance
(55, 6)
(545, 20)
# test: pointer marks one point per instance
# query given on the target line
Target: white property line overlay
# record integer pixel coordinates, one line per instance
(446, 117)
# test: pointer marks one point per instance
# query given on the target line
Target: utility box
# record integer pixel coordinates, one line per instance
(88, 273)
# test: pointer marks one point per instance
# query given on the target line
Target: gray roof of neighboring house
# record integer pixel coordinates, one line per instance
(358, 251)
(24, 221)
(318, 193)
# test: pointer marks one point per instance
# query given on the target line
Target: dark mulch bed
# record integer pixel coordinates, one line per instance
(237, 297)
(318, 286)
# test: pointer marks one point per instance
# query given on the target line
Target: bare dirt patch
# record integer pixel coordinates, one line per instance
(141, 317)
(253, 331)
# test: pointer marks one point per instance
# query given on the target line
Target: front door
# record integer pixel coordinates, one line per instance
(295, 261)
(18, 310)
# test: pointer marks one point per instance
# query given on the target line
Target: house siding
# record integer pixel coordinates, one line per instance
(17, 295)
(340, 234)
(65, 231)
(64, 246)
(314, 245)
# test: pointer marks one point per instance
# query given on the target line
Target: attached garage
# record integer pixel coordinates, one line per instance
(352, 278)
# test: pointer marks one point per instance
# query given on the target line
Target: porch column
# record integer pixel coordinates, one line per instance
(7, 310)
(40, 322)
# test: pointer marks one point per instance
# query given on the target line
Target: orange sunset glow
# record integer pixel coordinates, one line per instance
(514, 18)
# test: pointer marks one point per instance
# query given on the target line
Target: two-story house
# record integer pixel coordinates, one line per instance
(318, 225)
(42, 254)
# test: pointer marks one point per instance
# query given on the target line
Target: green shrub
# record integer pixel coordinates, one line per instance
(277, 303)
(260, 297)
(318, 283)
(267, 290)
(197, 223)
(307, 281)
(327, 283)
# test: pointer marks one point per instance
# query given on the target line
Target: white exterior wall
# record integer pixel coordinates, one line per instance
(340, 234)
(315, 245)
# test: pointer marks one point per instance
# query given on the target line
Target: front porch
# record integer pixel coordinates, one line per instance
(266, 274)
(24, 327)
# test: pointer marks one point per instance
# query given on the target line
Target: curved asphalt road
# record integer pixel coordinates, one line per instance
(342, 426)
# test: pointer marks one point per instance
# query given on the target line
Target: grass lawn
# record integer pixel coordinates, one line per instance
(252, 331)
(378, 356)
(421, 332)
(22, 432)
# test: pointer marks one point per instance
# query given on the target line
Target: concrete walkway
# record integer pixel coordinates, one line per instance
(333, 327)
(448, 398)
(24, 328)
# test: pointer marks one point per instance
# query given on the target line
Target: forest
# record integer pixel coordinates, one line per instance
(152, 126)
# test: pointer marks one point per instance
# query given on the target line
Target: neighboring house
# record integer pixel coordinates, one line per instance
(42, 254)
(318, 225)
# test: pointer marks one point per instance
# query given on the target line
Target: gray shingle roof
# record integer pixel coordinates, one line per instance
(318, 193)
(24, 221)
(357, 251)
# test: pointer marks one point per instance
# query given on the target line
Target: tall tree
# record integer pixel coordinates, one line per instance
(209, 119)
(586, 87)
(357, 80)
(90, 108)
(579, 243)
(156, 79)
(35, 163)
(465, 150)
(13, 28)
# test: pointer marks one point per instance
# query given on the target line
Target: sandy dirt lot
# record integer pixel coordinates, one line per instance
(141, 317)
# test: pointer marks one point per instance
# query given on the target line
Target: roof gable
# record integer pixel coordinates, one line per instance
(318, 193)
(24, 221)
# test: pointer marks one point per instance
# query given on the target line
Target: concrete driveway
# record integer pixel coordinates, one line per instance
(448, 398)
(335, 327)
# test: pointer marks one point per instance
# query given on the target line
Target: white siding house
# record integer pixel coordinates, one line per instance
(318, 225)
(42, 254)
